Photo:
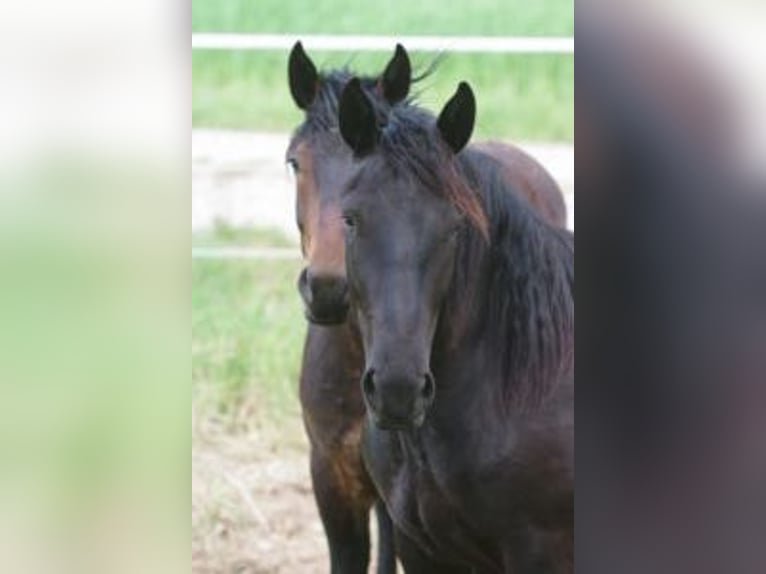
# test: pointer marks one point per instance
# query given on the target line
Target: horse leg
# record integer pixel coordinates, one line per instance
(416, 561)
(386, 547)
(345, 518)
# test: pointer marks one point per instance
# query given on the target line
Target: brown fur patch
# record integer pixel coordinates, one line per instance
(530, 178)
(329, 250)
(307, 196)
(348, 468)
(321, 224)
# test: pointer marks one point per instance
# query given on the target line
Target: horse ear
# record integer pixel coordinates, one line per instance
(303, 77)
(356, 119)
(396, 78)
(456, 120)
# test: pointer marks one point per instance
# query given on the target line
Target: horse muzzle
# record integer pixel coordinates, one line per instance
(325, 298)
(398, 402)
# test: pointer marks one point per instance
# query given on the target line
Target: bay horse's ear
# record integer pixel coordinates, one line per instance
(356, 119)
(303, 77)
(396, 78)
(456, 120)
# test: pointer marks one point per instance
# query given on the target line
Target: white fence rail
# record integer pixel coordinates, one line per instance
(465, 44)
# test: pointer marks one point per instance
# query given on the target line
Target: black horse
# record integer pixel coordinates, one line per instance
(464, 300)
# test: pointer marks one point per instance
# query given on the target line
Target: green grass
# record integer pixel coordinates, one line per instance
(247, 338)
(465, 17)
(224, 234)
(519, 97)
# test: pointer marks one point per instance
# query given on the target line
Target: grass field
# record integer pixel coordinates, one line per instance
(224, 234)
(467, 17)
(521, 97)
(247, 333)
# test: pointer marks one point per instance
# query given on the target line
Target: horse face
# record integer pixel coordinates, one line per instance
(400, 254)
(322, 283)
(401, 245)
(321, 167)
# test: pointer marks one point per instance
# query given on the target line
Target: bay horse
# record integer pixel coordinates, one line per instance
(463, 295)
(331, 398)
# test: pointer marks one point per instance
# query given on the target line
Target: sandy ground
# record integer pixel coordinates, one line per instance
(253, 510)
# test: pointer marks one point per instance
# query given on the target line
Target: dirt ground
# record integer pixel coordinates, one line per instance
(253, 510)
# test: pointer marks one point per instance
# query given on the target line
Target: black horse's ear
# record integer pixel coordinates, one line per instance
(456, 120)
(356, 119)
(303, 77)
(396, 78)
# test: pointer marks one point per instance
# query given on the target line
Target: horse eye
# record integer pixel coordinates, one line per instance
(349, 221)
(293, 163)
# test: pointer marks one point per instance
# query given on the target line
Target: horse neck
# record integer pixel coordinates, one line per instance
(515, 309)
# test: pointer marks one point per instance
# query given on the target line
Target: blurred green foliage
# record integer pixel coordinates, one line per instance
(94, 367)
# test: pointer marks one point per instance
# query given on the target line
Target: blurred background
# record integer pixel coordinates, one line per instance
(94, 319)
(252, 506)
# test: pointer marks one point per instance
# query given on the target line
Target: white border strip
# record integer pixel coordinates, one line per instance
(474, 44)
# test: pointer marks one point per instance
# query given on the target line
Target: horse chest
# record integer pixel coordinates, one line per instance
(430, 497)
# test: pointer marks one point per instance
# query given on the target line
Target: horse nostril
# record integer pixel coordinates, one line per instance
(310, 280)
(303, 284)
(368, 384)
(429, 388)
(318, 285)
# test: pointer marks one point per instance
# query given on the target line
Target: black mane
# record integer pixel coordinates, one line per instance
(322, 114)
(320, 124)
(519, 287)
